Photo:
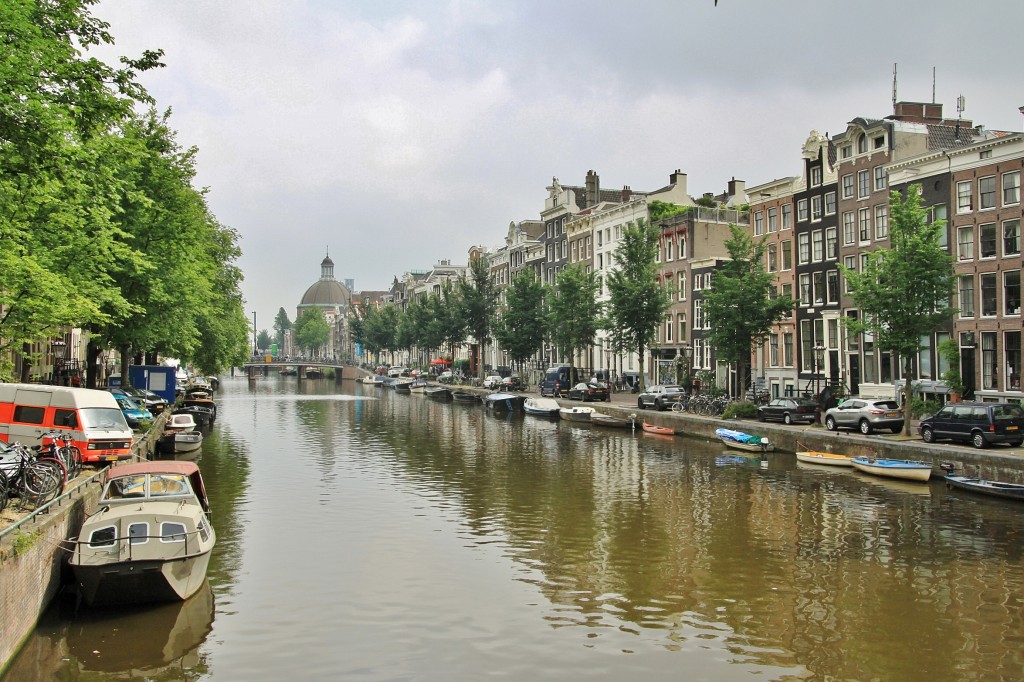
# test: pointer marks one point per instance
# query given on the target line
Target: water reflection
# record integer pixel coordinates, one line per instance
(381, 536)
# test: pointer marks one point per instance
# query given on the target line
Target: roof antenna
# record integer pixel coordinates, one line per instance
(894, 87)
(933, 85)
(961, 104)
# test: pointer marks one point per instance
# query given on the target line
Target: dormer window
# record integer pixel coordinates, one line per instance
(862, 144)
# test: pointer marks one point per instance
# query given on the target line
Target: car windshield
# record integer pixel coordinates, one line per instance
(106, 418)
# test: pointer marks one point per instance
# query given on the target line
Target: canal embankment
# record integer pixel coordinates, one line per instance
(33, 549)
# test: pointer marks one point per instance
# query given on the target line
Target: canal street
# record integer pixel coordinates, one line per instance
(369, 535)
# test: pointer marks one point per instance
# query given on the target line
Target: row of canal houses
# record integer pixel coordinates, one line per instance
(833, 211)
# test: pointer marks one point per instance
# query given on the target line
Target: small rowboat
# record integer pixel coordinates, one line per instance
(602, 419)
(658, 430)
(576, 414)
(827, 458)
(744, 441)
(1007, 491)
(908, 470)
(465, 397)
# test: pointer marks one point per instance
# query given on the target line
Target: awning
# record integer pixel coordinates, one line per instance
(440, 361)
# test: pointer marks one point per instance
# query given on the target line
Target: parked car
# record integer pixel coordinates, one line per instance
(512, 383)
(584, 391)
(136, 415)
(396, 372)
(660, 396)
(980, 424)
(789, 410)
(446, 377)
(154, 403)
(865, 415)
(557, 381)
(492, 381)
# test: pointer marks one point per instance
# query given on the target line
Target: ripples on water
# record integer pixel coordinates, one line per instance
(389, 537)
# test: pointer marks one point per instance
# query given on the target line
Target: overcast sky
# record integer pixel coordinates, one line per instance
(397, 134)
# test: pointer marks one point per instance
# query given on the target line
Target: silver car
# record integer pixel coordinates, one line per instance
(660, 396)
(865, 415)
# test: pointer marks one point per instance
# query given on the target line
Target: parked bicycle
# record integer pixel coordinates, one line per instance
(58, 445)
(35, 480)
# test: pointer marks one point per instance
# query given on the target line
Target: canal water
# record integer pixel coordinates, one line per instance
(366, 535)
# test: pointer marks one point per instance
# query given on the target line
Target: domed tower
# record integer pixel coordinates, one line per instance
(333, 298)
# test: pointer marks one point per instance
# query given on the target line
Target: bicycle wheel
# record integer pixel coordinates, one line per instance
(677, 407)
(75, 457)
(43, 479)
(4, 491)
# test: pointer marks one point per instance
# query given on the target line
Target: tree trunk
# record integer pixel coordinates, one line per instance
(26, 363)
(640, 366)
(92, 354)
(906, 397)
(125, 363)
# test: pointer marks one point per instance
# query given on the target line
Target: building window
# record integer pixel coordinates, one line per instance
(1011, 292)
(682, 287)
(758, 222)
(805, 289)
(816, 208)
(850, 263)
(787, 216)
(787, 349)
(682, 248)
(864, 222)
(967, 296)
(938, 212)
(801, 210)
(987, 240)
(965, 242)
(668, 329)
(682, 326)
(849, 228)
(988, 295)
(987, 193)
(819, 287)
(787, 291)
(988, 360)
(848, 186)
(882, 221)
(863, 184)
(773, 219)
(804, 245)
(862, 144)
(879, 178)
(698, 314)
(833, 286)
(787, 255)
(817, 249)
(669, 246)
(1011, 188)
(773, 350)
(846, 152)
(773, 257)
(696, 282)
(1011, 237)
(815, 176)
(830, 203)
(1011, 347)
(831, 247)
(963, 197)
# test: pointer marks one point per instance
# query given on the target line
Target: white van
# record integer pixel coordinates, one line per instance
(93, 419)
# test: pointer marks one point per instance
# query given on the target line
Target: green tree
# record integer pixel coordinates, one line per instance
(522, 326)
(478, 301)
(742, 306)
(281, 325)
(447, 323)
(903, 292)
(263, 340)
(311, 330)
(637, 302)
(574, 313)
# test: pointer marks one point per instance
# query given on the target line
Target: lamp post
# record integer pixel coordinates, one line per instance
(688, 357)
(59, 348)
(255, 348)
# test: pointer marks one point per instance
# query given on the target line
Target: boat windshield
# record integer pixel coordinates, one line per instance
(103, 418)
(135, 486)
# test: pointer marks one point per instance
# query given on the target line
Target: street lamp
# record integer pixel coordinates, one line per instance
(255, 348)
(688, 356)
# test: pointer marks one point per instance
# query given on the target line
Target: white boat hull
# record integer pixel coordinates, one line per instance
(909, 471)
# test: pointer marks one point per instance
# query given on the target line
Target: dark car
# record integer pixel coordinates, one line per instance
(980, 424)
(151, 401)
(511, 383)
(660, 396)
(557, 381)
(789, 411)
(584, 391)
(865, 415)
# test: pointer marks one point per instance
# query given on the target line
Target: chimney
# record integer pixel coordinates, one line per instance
(593, 189)
(678, 178)
(737, 187)
(626, 193)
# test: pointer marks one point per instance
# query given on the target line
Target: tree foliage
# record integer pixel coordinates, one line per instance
(311, 330)
(637, 301)
(742, 306)
(281, 325)
(903, 292)
(478, 302)
(574, 313)
(522, 326)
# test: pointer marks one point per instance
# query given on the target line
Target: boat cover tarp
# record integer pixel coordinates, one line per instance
(738, 436)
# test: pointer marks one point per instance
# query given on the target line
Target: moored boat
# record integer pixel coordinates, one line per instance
(151, 538)
(658, 430)
(576, 414)
(744, 441)
(541, 407)
(601, 419)
(905, 469)
(1002, 489)
(403, 386)
(442, 393)
(465, 396)
(418, 385)
(180, 435)
(504, 402)
(826, 458)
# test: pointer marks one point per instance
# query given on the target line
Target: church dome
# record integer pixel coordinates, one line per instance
(327, 292)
